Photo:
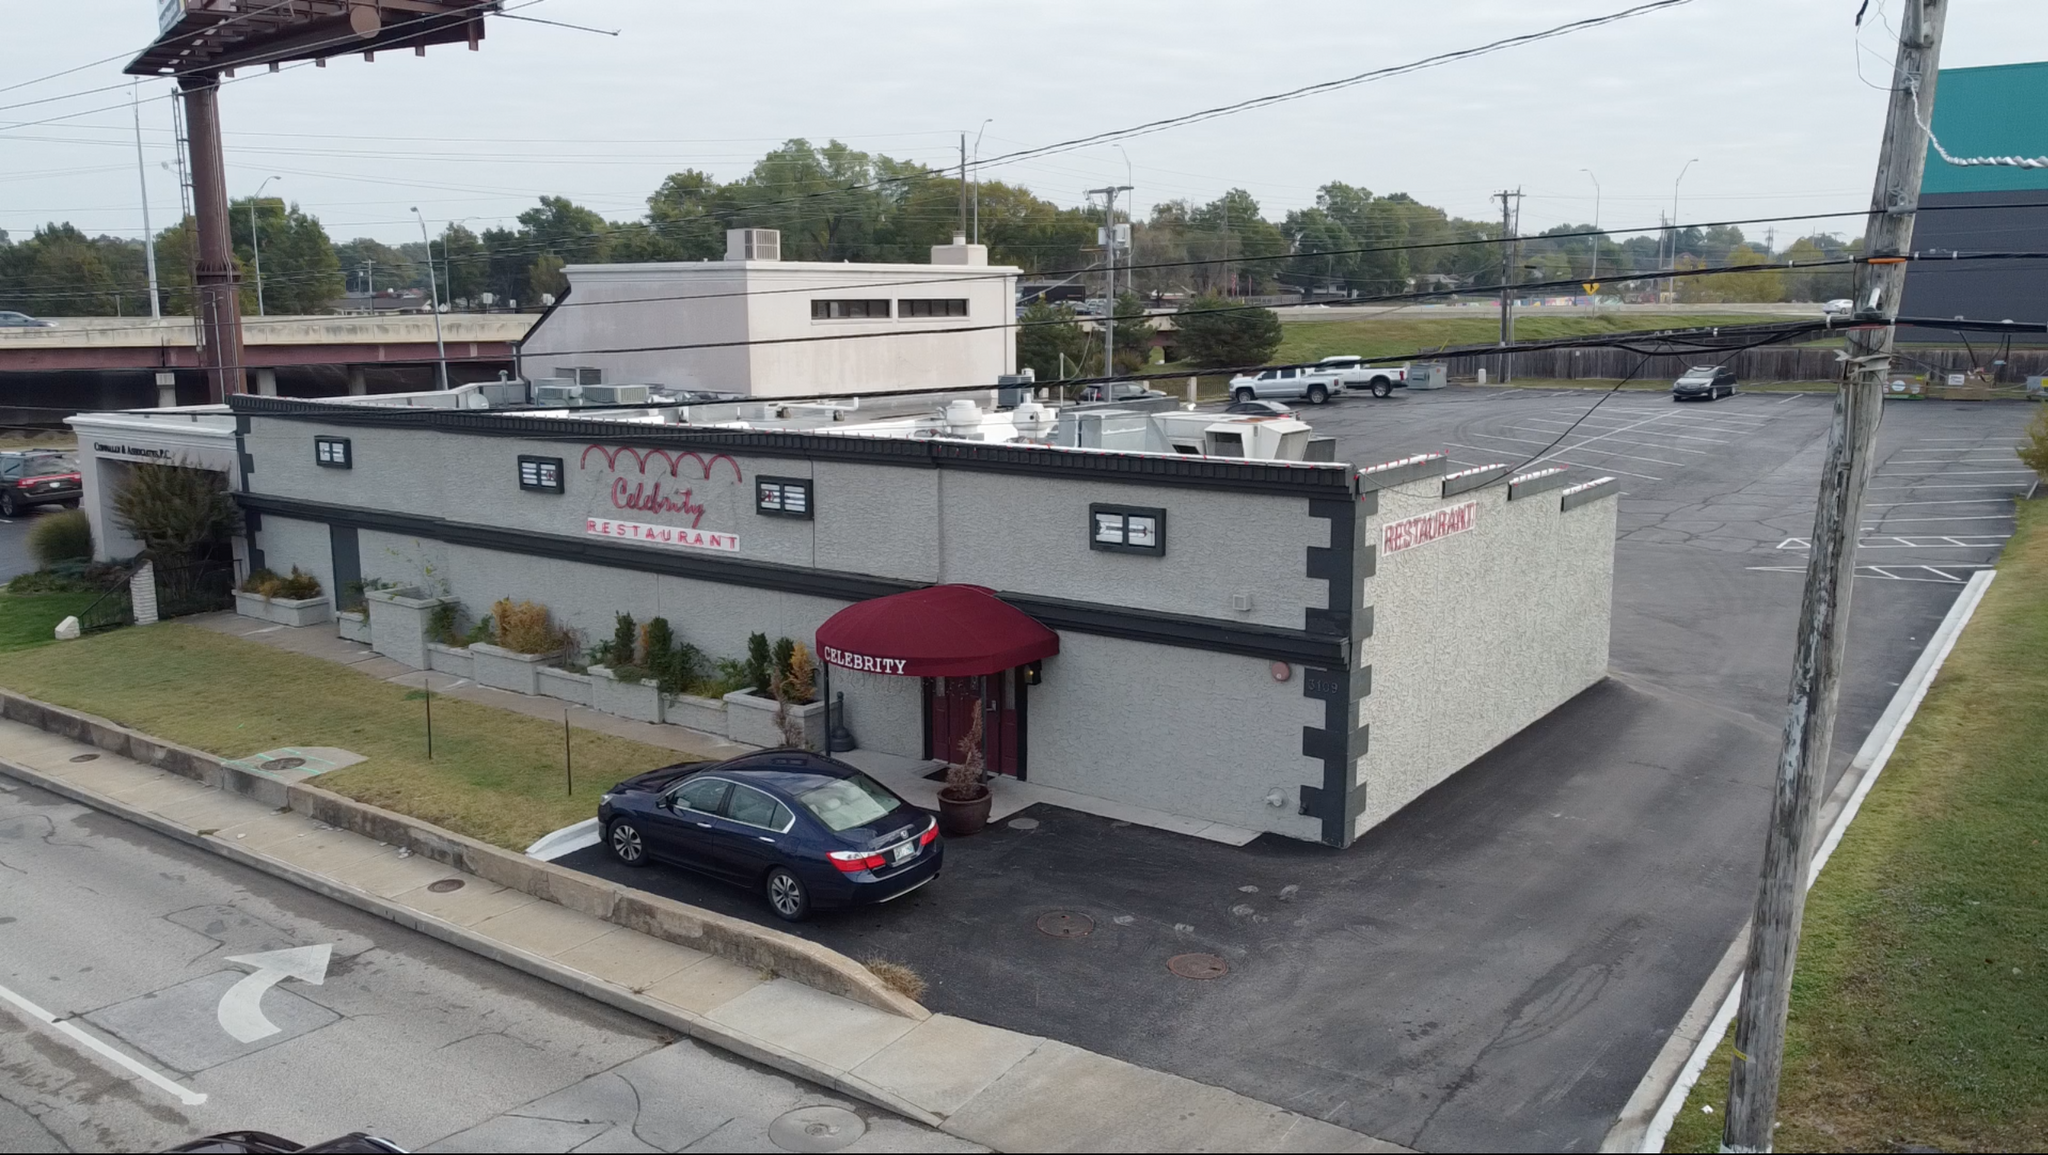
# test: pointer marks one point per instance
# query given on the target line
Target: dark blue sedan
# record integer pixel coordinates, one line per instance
(807, 831)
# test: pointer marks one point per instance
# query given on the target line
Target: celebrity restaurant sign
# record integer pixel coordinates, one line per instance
(673, 537)
(1424, 528)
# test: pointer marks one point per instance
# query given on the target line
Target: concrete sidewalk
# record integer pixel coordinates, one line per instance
(1008, 1091)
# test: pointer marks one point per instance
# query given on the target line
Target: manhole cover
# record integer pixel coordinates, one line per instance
(283, 764)
(84, 757)
(445, 885)
(1023, 823)
(1065, 924)
(1198, 966)
(816, 1129)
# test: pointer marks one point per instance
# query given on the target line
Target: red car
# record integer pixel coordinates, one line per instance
(36, 479)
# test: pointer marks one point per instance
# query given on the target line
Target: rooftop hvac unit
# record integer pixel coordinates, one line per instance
(753, 245)
(614, 394)
(557, 392)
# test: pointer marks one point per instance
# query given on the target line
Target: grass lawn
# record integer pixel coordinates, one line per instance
(31, 619)
(1920, 1010)
(495, 775)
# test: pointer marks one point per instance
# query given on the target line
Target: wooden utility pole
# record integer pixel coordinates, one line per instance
(963, 187)
(1508, 268)
(1824, 614)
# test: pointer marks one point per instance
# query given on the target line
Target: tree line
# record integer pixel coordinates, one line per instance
(835, 203)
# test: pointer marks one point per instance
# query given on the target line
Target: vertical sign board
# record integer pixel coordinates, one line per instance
(1424, 528)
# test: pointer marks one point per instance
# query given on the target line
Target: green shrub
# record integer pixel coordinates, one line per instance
(176, 510)
(2034, 452)
(298, 586)
(731, 675)
(260, 581)
(629, 673)
(619, 651)
(485, 630)
(785, 650)
(62, 536)
(1219, 334)
(758, 667)
(441, 624)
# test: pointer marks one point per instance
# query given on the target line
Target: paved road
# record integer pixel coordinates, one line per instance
(128, 937)
(15, 558)
(1495, 967)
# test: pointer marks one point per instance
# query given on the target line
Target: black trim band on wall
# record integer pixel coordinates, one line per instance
(1339, 742)
(1272, 643)
(1304, 479)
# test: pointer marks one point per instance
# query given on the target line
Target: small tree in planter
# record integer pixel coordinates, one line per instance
(964, 800)
(795, 687)
(759, 667)
(526, 639)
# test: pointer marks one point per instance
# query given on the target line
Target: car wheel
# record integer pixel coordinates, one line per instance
(626, 844)
(1381, 387)
(787, 896)
(1317, 395)
(1242, 395)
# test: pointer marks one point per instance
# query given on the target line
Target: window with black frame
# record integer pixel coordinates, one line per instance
(540, 474)
(1127, 529)
(782, 496)
(332, 452)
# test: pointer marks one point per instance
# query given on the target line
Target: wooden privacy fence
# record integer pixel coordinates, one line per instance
(1796, 364)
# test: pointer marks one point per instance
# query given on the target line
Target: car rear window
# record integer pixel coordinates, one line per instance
(45, 466)
(845, 803)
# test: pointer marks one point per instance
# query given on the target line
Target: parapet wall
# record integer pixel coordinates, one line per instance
(1491, 596)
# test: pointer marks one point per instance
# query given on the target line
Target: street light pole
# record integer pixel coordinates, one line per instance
(977, 177)
(1674, 222)
(434, 293)
(256, 242)
(1129, 274)
(1594, 279)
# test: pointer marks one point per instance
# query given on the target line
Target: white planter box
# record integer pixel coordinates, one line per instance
(450, 660)
(505, 669)
(569, 687)
(283, 611)
(398, 624)
(706, 714)
(637, 700)
(751, 720)
(353, 625)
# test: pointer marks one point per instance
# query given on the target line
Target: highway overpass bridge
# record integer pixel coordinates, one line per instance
(88, 363)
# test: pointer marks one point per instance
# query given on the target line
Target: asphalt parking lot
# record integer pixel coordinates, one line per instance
(1496, 966)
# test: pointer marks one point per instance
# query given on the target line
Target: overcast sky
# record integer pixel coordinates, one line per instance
(1779, 100)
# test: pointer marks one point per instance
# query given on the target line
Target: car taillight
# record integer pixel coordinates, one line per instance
(855, 861)
(930, 832)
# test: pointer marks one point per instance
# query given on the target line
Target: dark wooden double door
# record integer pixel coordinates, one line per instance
(950, 705)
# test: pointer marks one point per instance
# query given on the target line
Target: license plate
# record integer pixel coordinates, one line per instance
(904, 852)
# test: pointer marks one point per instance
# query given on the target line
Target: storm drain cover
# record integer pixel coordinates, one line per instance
(816, 1129)
(1065, 924)
(1198, 966)
(445, 885)
(276, 764)
(83, 757)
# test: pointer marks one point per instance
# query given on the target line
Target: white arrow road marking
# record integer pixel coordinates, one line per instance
(241, 1009)
(70, 1030)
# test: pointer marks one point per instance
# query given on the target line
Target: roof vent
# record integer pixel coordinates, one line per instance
(753, 245)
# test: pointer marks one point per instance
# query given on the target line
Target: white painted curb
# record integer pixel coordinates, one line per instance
(1868, 763)
(567, 840)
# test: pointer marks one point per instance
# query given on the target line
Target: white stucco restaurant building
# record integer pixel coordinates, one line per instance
(1293, 647)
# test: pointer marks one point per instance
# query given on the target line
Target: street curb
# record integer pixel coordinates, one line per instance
(1646, 1119)
(732, 939)
(611, 994)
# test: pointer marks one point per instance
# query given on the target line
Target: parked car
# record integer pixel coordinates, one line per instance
(1704, 382)
(1258, 409)
(1294, 384)
(1354, 373)
(1839, 307)
(806, 831)
(9, 319)
(33, 478)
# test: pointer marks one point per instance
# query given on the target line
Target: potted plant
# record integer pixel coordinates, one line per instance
(965, 799)
(288, 601)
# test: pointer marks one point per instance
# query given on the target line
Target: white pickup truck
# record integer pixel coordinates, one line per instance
(1317, 383)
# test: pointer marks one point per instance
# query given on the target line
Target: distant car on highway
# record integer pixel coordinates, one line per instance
(9, 319)
(1839, 307)
(1704, 383)
(805, 831)
(1258, 409)
(32, 478)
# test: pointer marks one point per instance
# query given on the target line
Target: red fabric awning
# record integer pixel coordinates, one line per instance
(951, 631)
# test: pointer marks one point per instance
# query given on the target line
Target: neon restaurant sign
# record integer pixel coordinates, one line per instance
(650, 495)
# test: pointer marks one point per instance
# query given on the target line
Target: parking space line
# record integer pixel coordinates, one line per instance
(1562, 461)
(1965, 485)
(1650, 444)
(105, 1051)
(1968, 472)
(1947, 501)
(1968, 517)
(1575, 449)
